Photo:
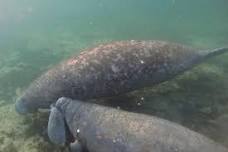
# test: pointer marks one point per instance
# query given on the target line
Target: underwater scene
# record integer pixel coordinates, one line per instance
(37, 36)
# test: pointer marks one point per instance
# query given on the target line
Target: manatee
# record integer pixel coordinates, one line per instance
(111, 69)
(97, 128)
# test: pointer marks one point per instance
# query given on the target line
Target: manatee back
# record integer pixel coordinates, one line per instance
(123, 66)
(105, 129)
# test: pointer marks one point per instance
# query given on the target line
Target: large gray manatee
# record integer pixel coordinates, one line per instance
(97, 128)
(111, 69)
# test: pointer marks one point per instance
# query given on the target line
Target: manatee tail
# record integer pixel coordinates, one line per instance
(214, 52)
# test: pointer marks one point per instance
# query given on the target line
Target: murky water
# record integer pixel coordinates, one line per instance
(35, 35)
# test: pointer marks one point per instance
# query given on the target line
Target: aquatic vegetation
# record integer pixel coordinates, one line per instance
(20, 135)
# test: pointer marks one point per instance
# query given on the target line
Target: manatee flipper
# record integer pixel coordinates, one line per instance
(76, 147)
(58, 131)
(56, 127)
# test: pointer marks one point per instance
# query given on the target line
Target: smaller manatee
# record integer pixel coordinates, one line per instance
(103, 129)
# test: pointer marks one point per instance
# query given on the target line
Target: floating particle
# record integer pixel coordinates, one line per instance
(142, 62)
(78, 131)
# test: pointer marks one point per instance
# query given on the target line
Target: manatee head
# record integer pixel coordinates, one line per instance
(42, 93)
(32, 100)
(24, 105)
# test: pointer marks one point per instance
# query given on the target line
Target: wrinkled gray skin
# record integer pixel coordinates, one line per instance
(111, 69)
(104, 129)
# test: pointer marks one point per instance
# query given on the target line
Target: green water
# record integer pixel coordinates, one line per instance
(35, 35)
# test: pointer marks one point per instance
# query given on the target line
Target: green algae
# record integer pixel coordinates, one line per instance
(23, 134)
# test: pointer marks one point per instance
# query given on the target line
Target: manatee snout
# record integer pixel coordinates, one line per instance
(22, 106)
